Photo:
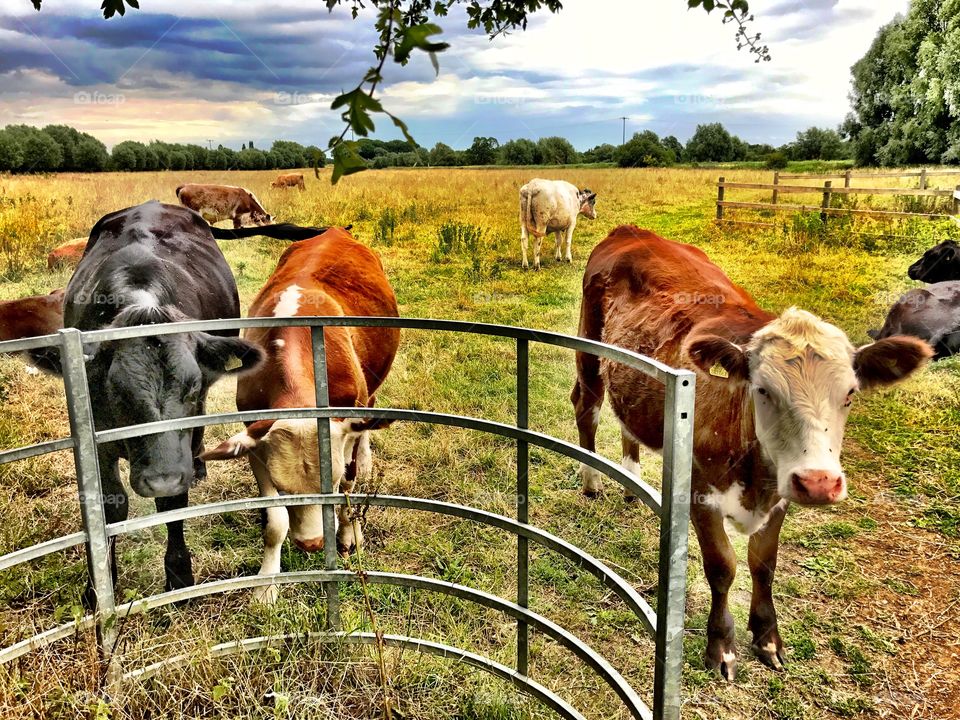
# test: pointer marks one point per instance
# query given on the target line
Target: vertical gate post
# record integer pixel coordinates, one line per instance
(332, 589)
(956, 200)
(523, 503)
(846, 179)
(674, 521)
(720, 199)
(776, 181)
(923, 178)
(825, 203)
(80, 412)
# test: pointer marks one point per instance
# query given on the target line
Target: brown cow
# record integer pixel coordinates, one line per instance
(332, 274)
(289, 180)
(772, 401)
(31, 316)
(66, 255)
(224, 202)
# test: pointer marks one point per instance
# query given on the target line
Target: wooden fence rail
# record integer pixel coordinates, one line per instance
(849, 175)
(827, 193)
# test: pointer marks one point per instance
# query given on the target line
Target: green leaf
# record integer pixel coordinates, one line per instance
(346, 160)
(416, 37)
(358, 105)
(403, 128)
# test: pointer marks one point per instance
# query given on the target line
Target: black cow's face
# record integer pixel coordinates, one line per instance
(938, 264)
(162, 378)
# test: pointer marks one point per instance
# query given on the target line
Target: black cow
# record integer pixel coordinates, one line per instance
(931, 313)
(938, 264)
(155, 263)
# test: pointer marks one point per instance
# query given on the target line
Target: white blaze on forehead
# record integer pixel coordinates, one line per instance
(289, 302)
(141, 297)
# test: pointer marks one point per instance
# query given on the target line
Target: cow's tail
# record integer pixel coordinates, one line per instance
(528, 219)
(280, 231)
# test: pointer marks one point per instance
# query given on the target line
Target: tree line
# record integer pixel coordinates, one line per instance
(25, 149)
(60, 148)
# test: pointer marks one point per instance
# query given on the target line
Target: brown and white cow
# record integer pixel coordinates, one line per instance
(224, 202)
(67, 255)
(332, 274)
(289, 180)
(772, 401)
(552, 206)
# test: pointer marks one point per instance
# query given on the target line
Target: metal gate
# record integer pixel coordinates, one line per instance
(672, 506)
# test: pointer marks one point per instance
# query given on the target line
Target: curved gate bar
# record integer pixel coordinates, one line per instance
(649, 495)
(646, 365)
(524, 684)
(41, 549)
(570, 641)
(41, 448)
(640, 607)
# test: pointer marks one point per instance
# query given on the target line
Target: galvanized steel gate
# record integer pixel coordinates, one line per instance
(672, 506)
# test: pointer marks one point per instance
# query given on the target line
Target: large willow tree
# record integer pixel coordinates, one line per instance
(906, 89)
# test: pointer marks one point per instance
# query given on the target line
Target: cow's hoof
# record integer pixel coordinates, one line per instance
(771, 654)
(568, 259)
(266, 595)
(592, 481)
(724, 662)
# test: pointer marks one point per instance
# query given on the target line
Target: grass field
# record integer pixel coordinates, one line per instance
(868, 592)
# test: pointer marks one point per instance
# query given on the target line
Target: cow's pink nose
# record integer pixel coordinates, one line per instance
(817, 487)
(312, 545)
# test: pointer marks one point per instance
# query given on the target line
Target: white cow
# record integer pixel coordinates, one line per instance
(552, 206)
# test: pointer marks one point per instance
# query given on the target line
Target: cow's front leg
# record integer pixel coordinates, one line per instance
(587, 397)
(767, 644)
(176, 561)
(115, 509)
(275, 529)
(720, 567)
(568, 251)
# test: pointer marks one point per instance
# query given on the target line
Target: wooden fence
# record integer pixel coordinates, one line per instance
(849, 175)
(828, 191)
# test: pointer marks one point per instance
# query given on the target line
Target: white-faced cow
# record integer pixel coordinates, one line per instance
(289, 180)
(931, 314)
(552, 206)
(224, 202)
(938, 264)
(155, 263)
(772, 401)
(331, 274)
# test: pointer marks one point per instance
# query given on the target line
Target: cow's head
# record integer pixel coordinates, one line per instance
(802, 374)
(259, 217)
(938, 264)
(160, 378)
(588, 203)
(285, 459)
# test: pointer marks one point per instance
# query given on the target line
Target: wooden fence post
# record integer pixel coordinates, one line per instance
(923, 178)
(956, 201)
(776, 181)
(826, 201)
(720, 199)
(846, 179)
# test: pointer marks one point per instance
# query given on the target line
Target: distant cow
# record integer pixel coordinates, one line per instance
(155, 263)
(552, 206)
(289, 180)
(331, 274)
(224, 202)
(931, 314)
(938, 264)
(66, 255)
(772, 401)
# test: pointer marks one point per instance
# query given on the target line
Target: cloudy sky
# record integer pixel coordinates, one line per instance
(229, 71)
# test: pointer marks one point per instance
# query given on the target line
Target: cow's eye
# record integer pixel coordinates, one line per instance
(762, 391)
(850, 395)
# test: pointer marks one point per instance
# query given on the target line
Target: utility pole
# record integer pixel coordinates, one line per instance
(209, 144)
(624, 140)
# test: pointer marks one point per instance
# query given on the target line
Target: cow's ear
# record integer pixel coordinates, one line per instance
(890, 360)
(219, 355)
(240, 444)
(719, 358)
